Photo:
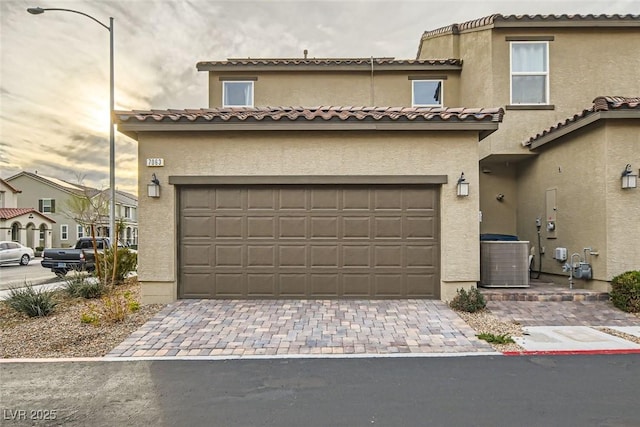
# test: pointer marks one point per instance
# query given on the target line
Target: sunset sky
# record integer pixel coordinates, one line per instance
(54, 67)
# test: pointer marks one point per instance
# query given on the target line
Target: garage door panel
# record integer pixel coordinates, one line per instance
(261, 227)
(352, 241)
(198, 285)
(291, 227)
(324, 285)
(422, 285)
(228, 198)
(292, 256)
(229, 255)
(230, 285)
(388, 285)
(356, 227)
(228, 227)
(356, 285)
(388, 256)
(197, 226)
(261, 285)
(388, 199)
(261, 256)
(324, 256)
(324, 227)
(196, 255)
(388, 227)
(322, 199)
(356, 256)
(293, 285)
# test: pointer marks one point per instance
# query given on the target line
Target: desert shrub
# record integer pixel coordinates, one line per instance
(115, 307)
(79, 285)
(32, 302)
(90, 317)
(126, 263)
(496, 339)
(132, 304)
(469, 301)
(625, 291)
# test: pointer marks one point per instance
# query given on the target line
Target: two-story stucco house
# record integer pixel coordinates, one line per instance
(25, 225)
(546, 70)
(54, 198)
(360, 177)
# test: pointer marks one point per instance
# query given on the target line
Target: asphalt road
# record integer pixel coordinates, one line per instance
(16, 275)
(459, 391)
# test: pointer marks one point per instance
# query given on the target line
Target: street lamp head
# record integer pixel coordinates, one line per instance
(35, 10)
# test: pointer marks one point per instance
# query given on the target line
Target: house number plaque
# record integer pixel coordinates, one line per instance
(155, 162)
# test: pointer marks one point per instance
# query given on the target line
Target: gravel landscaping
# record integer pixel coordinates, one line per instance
(62, 334)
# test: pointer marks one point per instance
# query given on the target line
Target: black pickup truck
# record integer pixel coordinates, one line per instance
(79, 258)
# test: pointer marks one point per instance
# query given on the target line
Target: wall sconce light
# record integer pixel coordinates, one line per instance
(629, 180)
(500, 197)
(463, 186)
(153, 189)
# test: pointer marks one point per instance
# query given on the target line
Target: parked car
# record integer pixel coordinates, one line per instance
(14, 252)
(79, 258)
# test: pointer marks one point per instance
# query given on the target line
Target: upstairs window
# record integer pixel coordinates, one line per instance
(80, 231)
(529, 73)
(426, 93)
(47, 205)
(237, 94)
(64, 232)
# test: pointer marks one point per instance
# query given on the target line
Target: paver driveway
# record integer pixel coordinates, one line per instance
(302, 327)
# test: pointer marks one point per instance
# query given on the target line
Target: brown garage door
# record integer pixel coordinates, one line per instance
(309, 241)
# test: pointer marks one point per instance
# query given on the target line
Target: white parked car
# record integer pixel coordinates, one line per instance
(13, 252)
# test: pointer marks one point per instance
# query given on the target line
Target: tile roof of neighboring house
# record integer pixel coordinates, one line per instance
(317, 114)
(499, 20)
(9, 213)
(324, 63)
(11, 187)
(600, 104)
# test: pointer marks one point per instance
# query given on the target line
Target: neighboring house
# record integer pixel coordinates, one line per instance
(27, 226)
(544, 69)
(53, 196)
(338, 177)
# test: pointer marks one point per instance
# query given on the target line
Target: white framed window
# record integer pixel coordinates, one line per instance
(426, 93)
(529, 73)
(127, 212)
(47, 205)
(64, 232)
(80, 231)
(237, 93)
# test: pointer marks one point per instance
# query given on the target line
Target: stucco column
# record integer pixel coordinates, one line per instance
(36, 237)
(47, 238)
(22, 236)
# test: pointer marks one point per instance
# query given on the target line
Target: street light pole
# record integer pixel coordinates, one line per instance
(112, 145)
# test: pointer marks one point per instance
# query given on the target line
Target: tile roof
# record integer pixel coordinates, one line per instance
(9, 213)
(601, 103)
(498, 20)
(364, 63)
(317, 114)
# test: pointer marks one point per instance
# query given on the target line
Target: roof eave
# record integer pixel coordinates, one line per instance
(323, 68)
(582, 122)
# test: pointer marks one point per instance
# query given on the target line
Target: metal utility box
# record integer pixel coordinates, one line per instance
(504, 264)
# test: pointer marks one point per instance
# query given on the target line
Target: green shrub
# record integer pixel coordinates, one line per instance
(625, 291)
(32, 302)
(90, 317)
(469, 301)
(127, 262)
(115, 307)
(79, 285)
(496, 339)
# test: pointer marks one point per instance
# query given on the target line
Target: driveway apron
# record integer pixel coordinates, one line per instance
(302, 327)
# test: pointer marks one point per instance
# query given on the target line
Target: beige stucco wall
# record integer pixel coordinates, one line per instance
(308, 153)
(8, 199)
(592, 210)
(335, 88)
(445, 46)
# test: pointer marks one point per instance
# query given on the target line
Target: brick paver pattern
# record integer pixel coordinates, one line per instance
(554, 313)
(299, 327)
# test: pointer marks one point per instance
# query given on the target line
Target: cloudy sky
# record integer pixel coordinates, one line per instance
(54, 69)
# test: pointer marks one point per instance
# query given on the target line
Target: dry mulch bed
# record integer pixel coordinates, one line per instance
(62, 334)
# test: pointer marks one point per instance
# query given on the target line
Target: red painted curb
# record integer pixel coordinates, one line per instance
(570, 352)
